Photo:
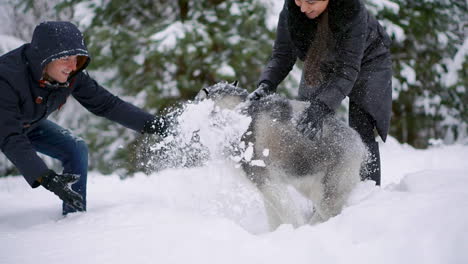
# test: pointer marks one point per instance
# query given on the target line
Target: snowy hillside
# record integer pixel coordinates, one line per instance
(212, 214)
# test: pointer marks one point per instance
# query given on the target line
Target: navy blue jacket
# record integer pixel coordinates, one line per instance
(360, 63)
(24, 102)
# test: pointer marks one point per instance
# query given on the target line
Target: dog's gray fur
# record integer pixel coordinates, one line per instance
(324, 169)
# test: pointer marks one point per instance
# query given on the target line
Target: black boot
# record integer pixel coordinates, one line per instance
(371, 170)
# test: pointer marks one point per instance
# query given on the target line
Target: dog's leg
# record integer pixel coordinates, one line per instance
(316, 218)
(337, 184)
(312, 187)
(274, 204)
(280, 207)
(331, 199)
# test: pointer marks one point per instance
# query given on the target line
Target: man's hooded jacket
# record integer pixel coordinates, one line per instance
(358, 66)
(25, 101)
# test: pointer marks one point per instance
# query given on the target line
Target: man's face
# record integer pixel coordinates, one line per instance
(59, 70)
(312, 8)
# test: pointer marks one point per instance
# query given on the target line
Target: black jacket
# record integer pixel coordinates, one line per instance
(24, 103)
(360, 62)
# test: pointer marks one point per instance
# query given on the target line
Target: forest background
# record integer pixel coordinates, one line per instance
(158, 54)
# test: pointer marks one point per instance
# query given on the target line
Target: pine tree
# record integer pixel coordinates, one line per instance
(159, 52)
(426, 105)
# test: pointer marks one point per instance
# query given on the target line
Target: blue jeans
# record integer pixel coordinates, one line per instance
(54, 141)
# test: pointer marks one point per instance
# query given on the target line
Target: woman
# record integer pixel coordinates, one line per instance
(345, 53)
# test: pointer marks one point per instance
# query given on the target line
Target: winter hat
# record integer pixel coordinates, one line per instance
(56, 39)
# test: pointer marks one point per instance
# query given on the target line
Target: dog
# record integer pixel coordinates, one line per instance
(324, 169)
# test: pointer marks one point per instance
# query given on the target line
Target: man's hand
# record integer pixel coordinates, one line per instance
(263, 90)
(60, 185)
(311, 120)
(159, 125)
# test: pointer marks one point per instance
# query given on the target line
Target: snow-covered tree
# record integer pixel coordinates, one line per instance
(155, 53)
(429, 51)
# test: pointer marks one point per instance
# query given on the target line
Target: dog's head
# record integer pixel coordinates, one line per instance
(226, 95)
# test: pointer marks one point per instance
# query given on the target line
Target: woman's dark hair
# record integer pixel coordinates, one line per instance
(301, 29)
(317, 61)
(313, 41)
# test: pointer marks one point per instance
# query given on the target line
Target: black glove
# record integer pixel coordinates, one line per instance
(60, 185)
(262, 90)
(159, 125)
(311, 120)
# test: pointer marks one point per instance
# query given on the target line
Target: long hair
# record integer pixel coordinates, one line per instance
(316, 62)
(301, 28)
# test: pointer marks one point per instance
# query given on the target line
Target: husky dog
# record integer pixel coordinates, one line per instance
(324, 169)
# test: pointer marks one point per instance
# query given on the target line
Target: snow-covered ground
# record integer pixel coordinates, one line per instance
(212, 214)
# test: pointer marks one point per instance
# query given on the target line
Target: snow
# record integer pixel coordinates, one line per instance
(396, 31)
(84, 13)
(216, 127)
(274, 8)
(168, 37)
(235, 10)
(377, 5)
(226, 70)
(212, 214)
(409, 73)
(455, 65)
(9, 43)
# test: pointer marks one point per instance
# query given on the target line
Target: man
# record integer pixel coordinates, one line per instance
(35, 80)
(346, 53)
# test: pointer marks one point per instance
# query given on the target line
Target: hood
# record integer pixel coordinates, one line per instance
(53, 40)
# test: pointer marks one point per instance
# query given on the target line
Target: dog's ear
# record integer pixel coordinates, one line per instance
(235, 83)
(202, 94)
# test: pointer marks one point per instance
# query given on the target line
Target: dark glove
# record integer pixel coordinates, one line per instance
(263, 89)
(60, 185)
(159, 125)
(311, 120)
